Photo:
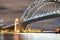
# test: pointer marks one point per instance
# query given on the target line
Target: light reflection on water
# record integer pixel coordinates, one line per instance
(32, 36)
(41, 36)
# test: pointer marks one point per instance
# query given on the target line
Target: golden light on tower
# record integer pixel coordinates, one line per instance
(16, 22)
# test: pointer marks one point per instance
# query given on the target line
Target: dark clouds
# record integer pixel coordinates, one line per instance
(3, 8)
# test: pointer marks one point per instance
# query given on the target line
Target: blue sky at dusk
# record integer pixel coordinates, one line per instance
(57, 22)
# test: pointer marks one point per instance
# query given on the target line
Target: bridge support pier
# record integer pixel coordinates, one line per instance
(22, 27)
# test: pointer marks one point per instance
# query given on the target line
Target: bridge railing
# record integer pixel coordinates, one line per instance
(43, 9)
(53, 7)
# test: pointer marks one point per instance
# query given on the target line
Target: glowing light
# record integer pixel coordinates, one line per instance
(33, 30)
(58, 29)
(16, 22)
(40, 15)
(44, 14)
(48, 14)
(58, 11)
(51, 13)
(54, 12)
(18, 31)
(35, 16)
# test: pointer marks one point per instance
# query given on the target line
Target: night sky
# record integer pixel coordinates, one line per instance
(57, 22)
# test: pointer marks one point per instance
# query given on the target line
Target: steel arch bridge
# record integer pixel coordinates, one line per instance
(41, 10)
